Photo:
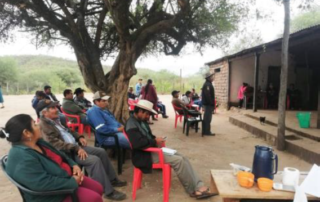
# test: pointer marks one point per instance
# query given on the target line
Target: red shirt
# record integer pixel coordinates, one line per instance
(58, 159)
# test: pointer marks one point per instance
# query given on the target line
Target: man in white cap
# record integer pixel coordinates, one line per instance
(141, 137)
(208, 102)
(104, 122)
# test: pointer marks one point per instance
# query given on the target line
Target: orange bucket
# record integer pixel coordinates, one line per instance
(245, 179)
(265, 184)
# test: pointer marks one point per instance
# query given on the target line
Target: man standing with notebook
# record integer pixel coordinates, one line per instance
(208, 102)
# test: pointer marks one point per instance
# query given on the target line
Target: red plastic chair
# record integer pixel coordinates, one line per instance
(178, 115)
(166, 173)
(81, 127)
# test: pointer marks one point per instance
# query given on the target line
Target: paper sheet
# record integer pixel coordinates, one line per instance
(311, 184)
(168, 151)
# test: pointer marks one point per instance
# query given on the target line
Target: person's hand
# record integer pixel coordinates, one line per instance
(77, 171)
(78, 179)
(82, 154)
(83, 141)
(121, 128)
(160, 141)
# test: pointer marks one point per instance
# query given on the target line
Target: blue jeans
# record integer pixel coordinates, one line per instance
(123, 141)
(198, 102)
(162, 108)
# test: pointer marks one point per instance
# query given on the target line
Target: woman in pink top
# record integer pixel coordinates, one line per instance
(241, 92)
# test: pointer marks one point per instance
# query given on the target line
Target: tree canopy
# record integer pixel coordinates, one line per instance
(309, 18)
(124, 29)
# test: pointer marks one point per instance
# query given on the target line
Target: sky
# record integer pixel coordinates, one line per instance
(189, 61)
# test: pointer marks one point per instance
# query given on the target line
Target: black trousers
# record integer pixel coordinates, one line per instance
(206, 124)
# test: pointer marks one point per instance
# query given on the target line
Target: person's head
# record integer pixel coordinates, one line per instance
(143, 109)
(101, 99)
(292, 86)
(245, 84)
(47, 89)
(48, 109)
(270, 85)
(79, 92)
(67, 93)
(130, 89)
(209, 76)
(188, 93)
(140, 81)
(40, 95)
(149, 82)
(193, 90)
(20, 128)
(175, 93)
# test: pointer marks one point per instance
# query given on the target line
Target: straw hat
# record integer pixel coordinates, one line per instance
(145, 104)
(208, 74)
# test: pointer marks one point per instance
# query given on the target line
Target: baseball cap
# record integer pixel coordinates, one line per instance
(100, 95)
(174, 92)
(46, 104)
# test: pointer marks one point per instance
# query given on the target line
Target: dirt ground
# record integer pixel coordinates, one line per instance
(230, 145)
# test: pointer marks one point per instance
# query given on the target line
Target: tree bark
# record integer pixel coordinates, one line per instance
(284, 77)
(318, 118)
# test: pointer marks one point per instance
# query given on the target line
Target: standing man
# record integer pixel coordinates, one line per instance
(138, 87)
(208, 101)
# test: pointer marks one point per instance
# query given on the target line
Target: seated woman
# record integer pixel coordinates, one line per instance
(35, 164)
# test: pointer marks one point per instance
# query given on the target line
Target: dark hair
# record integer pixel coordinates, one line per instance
(137, 109)
(40, 94)
(66, 92)
(15, 127)
(96, 100)
(149, 82)
(188, 93)
(46, 87)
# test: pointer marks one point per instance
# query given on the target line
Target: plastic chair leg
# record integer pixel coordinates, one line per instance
(188, 125)
(137, 178)
(180, 119)
(88, 130)
(80, 129)
(166, 176)
(175, 122)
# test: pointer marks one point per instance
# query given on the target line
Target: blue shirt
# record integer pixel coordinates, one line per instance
(138, 89)
(103, 121)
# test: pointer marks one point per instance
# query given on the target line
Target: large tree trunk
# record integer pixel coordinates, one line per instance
(115, 83)
(284, 77)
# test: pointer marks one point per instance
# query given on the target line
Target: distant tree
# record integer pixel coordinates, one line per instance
(125, 29)
(8, 71)
(309, 18)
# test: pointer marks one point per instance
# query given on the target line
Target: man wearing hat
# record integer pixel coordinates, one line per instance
(141, 137)
(95, 160)
(104, 122)
(208, 102)
(80, 100)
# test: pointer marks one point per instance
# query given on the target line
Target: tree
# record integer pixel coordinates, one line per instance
(124, 29)
(306, 19)
(284, 78)
(8, 71)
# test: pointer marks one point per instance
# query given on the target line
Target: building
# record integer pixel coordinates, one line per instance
(262, 63)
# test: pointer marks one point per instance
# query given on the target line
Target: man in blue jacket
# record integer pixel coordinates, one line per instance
(105, 123)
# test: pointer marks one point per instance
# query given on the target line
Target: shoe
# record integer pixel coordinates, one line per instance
(116, 196)
(118, 183)
(210, 134)
(154, 119)
(165, 116)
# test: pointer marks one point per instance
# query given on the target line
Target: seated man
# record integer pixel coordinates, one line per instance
(70, 107)
(162, 109)
(49, 94)
(196, 98)
(95, 160)
(141, 137)
(131, 95)
(100, 118)
(186, 99)
(178, 103)
(80, 100)
(40, 95)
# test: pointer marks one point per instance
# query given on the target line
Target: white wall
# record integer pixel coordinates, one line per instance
(242, 70)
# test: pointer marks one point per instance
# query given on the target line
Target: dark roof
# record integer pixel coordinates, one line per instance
(270, 45)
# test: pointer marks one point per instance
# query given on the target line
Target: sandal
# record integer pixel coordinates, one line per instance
(206, 194)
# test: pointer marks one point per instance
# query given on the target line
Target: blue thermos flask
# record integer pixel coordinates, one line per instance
(265, 163)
